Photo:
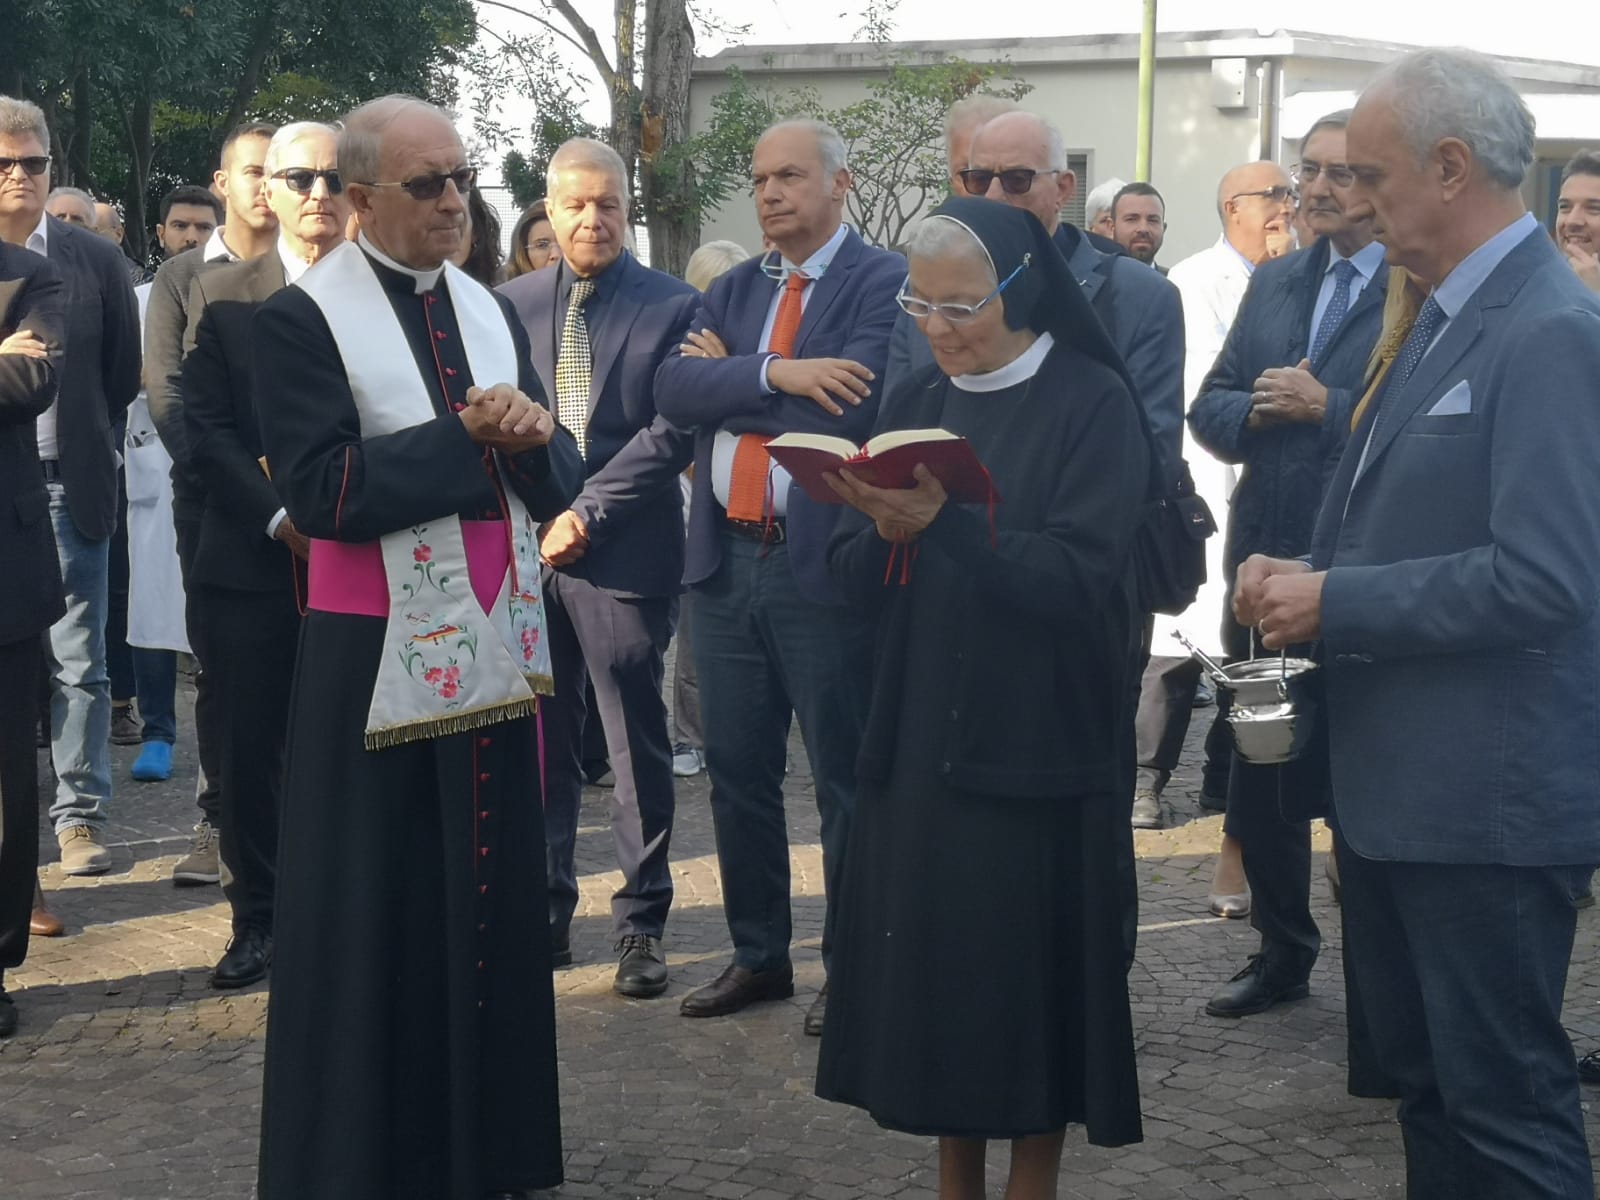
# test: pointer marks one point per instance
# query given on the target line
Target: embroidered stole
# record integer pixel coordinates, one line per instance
(447, 666)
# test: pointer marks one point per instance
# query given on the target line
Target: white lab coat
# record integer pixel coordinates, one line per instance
(1211, 284)
(155, 583)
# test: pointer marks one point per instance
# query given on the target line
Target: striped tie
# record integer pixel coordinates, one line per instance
(747, 487)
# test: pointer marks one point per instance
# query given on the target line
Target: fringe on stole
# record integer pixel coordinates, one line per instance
(391, 736)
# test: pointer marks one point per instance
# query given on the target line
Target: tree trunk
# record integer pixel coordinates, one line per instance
(140, 140)
(78, 173)
(262, 34)
(667, 179)
(624, 89)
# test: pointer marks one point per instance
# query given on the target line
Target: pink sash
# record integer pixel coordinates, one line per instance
(348, 577)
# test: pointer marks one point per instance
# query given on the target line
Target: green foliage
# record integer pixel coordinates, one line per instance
(894, 136)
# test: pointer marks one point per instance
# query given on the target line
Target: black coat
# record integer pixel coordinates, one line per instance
(1041, 610)
(219, 406)
(99, 373)
(1287, 467)
(32, 297)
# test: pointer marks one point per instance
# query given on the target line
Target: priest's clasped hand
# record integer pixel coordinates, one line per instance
(901, 514)
(1281, 597)
(506, 419)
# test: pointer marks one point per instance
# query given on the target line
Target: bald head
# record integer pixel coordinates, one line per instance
(400, 140)
(962, 121)
(1022, 141)
(1255, 201)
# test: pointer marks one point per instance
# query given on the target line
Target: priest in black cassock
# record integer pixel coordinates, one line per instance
(411, 1026)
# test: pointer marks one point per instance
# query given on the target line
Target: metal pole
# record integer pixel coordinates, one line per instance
(1147, 91)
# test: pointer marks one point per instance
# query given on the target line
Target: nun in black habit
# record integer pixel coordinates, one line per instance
(979, 982)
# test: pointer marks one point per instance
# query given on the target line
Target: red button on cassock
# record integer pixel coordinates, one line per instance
(484, 777)
(483, 852)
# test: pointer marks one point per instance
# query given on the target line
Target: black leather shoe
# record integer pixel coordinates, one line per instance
(737, 988)
(817, 1013)
(1267, 979)
(8, 1015)
(560, 950)
(1212, 801)
(1588, 1066)
(642, 973)
(248, 959)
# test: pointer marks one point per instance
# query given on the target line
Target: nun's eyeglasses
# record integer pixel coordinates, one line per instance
(919, 309)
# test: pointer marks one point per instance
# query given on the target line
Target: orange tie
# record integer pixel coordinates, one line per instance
(747, 487)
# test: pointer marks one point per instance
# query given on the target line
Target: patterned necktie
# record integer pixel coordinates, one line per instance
(575, 365)
(747, 486)
(1429, 318)
(1338, 308)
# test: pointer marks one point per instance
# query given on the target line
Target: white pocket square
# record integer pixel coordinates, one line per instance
(1454, 402)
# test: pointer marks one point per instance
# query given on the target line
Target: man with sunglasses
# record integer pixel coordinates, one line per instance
(793, 340)
(1277, 403)
(99, 379)
(244, 571)
(249, 230)
(400, 421)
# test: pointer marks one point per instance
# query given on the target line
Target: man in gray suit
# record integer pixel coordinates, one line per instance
(1453, 584)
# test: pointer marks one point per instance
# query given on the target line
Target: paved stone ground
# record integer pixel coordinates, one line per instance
(130, 1078)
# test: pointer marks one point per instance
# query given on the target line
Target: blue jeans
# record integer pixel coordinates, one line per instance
(764, 652)
(155, 674)
(80, 689)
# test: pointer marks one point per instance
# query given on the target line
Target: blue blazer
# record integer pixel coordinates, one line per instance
(1142, 312)
(1286, 468)
(630, 501)
(1460, 624)
(849, 314)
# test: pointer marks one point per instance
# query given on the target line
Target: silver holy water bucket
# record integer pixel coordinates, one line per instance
(1269, 704)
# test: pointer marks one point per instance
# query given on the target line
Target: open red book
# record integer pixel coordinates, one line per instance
(885, 461)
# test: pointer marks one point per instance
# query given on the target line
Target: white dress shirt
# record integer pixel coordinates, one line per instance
(725, 443)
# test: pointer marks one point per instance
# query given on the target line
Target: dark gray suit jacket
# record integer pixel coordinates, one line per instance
(1461, 609)
(32, 297)
(630, 503)
(99, 374)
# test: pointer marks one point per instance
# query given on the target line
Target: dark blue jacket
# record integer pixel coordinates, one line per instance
(630, 503)
(1286, 468)
(849, 314)
(1461, 609)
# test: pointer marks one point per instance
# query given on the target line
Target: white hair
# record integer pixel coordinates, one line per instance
(710, 261)
(829, 144)
(288, 135)
(1102, 199)
(1055, 146)
(585, 153)
(20, 117)
(1454, 93)
(940, 236)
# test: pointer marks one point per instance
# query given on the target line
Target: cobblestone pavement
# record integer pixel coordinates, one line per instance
(130, 1078)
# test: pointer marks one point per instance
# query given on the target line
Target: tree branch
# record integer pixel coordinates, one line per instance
(588, 51)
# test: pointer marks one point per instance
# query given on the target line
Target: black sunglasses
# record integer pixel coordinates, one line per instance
(1015, 181)
(303, 179)
(33, 164)
(431, 187)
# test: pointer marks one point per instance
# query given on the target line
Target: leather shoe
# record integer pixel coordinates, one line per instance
(1267, 979)
(1147, 809)
(248, 958)
(43, 922)
(560, 950)
(737, 988)
(817, 1013)
(8, 1015)
(642, 973)
(1589, 1067)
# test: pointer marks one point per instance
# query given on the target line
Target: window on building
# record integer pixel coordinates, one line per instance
(1078, 164)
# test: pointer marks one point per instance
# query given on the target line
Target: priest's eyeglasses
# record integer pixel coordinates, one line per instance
(431, 187)
(919, 309)
(302, 179)
(1014, 181)
(32, 164)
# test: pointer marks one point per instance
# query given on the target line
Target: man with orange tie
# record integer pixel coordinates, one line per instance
(793, 340)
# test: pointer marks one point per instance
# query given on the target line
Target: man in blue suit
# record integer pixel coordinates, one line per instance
(794, 340)
(1278, 401)
(1453, 583)
(599, 325)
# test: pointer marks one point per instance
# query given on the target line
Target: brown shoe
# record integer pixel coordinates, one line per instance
(737, 988)
(43, 922)
(817, 1013)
